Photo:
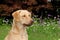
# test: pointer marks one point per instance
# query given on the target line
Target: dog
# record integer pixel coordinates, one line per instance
(21, 19)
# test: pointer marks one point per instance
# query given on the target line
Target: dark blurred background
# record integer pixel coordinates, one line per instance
(41, 8)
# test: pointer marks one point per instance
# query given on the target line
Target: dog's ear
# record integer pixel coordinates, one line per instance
(16, 15)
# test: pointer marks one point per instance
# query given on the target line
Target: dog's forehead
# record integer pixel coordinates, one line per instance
(25, 12)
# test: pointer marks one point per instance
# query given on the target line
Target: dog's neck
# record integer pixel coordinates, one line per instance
(17, 27)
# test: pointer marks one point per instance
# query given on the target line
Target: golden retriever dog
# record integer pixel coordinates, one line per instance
(21, 19)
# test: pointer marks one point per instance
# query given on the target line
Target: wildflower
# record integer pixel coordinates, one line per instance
(58, 39)
(48, 24)
(6, 21)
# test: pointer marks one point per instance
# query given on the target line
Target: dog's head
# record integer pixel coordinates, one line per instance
(23, 16)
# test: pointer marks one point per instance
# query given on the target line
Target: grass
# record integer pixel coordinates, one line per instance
(4, 28)
(49, 30)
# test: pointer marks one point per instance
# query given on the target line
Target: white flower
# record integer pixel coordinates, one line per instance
(58, 39)
(48, 24)
(53, 28)
(45, 23)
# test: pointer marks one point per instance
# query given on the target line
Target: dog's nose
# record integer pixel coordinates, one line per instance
(32, 21)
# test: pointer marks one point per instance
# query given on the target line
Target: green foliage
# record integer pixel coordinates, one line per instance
(48, 30)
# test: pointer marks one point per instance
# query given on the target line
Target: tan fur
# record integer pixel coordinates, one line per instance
(21, 19)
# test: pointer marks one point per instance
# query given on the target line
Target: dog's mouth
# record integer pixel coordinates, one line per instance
(29, 24)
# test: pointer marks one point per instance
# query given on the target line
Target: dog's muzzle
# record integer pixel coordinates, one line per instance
(29, 24)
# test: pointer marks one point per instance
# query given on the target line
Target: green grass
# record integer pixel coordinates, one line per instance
(4, 28)
(49, 30)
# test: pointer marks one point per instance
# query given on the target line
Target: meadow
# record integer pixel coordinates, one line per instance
(47, 30)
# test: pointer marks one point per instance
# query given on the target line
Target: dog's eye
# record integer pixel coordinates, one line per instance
(23, 15)
(30, 15)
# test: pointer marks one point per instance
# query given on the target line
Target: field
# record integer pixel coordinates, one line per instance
(48, 30)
